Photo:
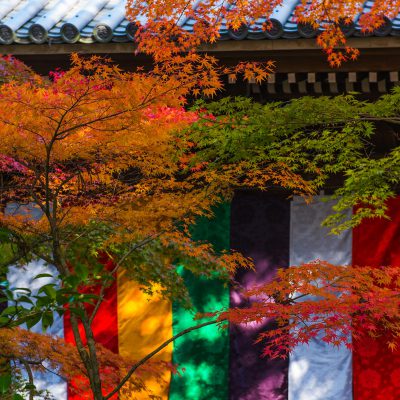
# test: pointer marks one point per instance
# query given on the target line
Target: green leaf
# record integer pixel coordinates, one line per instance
(47, 319)
(43, 301)
(9, 294)
(4, 321)
(43, 276)
(5, 383)
(32, 321)
(25, 299)
(81, 270)
(72, 280)
(10, 310)
(4, 235)
(49, 290)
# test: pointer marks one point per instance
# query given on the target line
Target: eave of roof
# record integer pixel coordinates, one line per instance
(264, 46)
(102, 21)
(294, 56)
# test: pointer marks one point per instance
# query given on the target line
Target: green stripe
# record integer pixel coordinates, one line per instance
(203, 354)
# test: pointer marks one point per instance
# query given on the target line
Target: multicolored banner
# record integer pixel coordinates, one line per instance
(225, 364)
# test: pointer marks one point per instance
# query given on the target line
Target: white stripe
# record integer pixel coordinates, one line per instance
(318, 371)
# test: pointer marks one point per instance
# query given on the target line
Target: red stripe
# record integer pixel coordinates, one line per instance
(105, 330)
(376, 369)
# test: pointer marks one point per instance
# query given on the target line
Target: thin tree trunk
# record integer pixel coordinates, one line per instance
(94, 362)
(89, 359)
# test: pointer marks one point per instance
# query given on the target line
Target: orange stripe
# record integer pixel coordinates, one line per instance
(143, 324)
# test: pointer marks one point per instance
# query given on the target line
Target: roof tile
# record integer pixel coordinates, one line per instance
(88, 21)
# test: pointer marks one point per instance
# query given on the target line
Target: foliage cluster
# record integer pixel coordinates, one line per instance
(327, 142)
(159, 30)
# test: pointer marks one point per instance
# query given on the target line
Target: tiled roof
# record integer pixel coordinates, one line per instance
(89, 21)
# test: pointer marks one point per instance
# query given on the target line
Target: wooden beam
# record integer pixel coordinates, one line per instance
(289, 55)
(271, 78)
(372, 42)
(302, 86)
(243, 46)
(382, 86)
(373, 77)
(365, 86)
(332, 77)
(311, 77)
(352, 77)
(394, 76)
(65, 48)
(292, 78)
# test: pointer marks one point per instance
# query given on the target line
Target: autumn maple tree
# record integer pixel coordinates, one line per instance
(97, 156)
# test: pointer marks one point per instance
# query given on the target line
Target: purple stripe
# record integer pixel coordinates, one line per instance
(260, 230)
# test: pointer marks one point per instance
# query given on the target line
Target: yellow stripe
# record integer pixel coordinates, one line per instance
(143, 324)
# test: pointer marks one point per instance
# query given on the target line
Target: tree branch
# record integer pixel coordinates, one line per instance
(154, 352)
(30, 378)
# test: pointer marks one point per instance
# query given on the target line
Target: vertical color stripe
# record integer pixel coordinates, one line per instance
(143, 324)
(22, 277)
(376, 372)
(318, 371)
(203, 353)
(105, 331)
(260, 230)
